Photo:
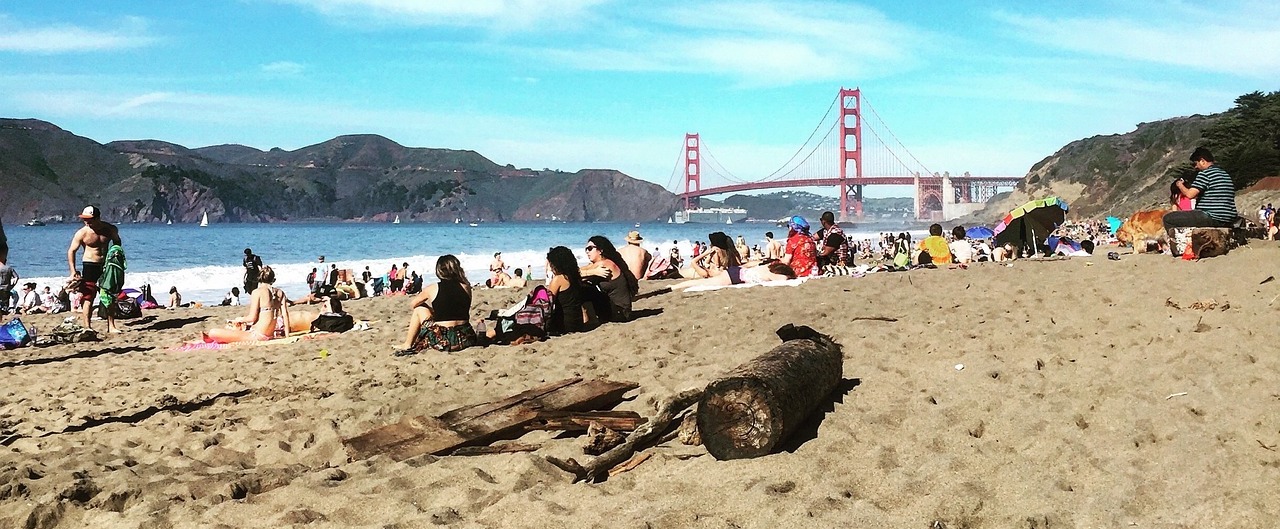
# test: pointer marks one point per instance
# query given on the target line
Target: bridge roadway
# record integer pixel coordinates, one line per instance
(835, 182)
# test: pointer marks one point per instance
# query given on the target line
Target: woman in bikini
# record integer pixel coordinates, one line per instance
(736, 275)
(719, 257)
(268, 317)
(441, 313)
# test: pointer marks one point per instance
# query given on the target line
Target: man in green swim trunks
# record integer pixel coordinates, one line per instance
(95, 237)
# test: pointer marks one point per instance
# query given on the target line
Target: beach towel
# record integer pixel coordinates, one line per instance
(780, 283)
(112, 280)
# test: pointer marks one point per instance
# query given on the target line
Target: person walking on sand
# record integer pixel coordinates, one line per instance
(637, 257)
(95, 237)
(252, 266)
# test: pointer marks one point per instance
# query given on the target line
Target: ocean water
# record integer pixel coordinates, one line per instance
(204, 263)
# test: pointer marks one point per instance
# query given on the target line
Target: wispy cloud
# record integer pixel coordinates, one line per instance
(283, 68)
(498, 14)
(757, 43)
(1249, 46)
(131, 32)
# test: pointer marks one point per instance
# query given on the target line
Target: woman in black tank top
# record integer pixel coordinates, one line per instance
(441, 313)
(566, 291)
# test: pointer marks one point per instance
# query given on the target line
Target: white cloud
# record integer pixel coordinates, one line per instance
(283, 68)
(1249, 46)
(465, 13)
(757, 43)
(54, 39)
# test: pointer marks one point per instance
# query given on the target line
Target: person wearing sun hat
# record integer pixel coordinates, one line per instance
(636, 256)
(801, 251)
(95, 238)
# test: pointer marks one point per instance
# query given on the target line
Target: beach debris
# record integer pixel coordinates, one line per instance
(631, 463)
(1268, 280)
(504, 448)
(1206, 305)
(598, 468)
(874, 318)
(758, 405)
(959, 367)
(687, 433)
(1181, 394)
(601, 439)
(582, 421)
(1264, 445)
(484, 423)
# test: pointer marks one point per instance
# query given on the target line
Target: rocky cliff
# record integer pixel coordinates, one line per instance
(48, 172)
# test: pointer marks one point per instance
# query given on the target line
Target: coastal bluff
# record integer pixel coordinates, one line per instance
(50, 173)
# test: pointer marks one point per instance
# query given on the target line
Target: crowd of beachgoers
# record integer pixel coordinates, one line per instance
(577, 296)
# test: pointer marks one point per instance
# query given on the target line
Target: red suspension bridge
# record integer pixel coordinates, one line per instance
(848, 152)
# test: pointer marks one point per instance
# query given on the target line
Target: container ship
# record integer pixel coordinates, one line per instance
(710, 216)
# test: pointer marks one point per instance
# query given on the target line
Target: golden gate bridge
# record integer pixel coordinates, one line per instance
(847, 151)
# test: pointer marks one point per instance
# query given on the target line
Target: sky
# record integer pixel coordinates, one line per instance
(988, 87)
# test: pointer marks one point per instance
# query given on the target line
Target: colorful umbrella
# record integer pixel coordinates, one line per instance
(1031, 223)
(979, 232)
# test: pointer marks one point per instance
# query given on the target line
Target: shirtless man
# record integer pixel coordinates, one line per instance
(772, 248)
(637, 258)
(95, 237)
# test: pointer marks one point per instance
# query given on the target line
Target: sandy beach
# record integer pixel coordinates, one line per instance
(1093, 393)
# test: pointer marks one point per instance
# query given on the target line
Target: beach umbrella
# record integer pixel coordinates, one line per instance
(1031, 223)
(979, 232)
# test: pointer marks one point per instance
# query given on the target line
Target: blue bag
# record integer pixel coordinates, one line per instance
(14, 334)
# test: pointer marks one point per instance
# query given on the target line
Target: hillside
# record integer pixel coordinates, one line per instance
(51, 173)
(1108, 175)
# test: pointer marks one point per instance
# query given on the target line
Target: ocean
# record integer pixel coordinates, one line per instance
(205, 262)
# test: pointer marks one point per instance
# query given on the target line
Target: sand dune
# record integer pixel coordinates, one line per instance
(1092, 394)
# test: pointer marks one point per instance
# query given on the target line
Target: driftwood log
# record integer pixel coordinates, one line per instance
(599, 467)
(753, 409)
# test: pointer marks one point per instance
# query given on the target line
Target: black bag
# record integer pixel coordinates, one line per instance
(127, 309)
(333, 323)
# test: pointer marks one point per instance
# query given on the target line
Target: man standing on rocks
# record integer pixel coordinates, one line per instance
(95, 237)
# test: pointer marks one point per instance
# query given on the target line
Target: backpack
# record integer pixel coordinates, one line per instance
(333, 322)
(126, 309)
(531, 317)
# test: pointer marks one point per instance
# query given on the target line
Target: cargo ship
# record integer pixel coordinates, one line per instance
(710, 216)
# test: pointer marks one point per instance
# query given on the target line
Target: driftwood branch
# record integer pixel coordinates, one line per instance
(599, 467)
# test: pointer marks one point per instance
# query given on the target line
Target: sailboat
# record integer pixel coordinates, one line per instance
(204, 221)
(397, 221)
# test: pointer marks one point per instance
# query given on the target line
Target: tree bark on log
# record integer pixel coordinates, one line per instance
(755, 407)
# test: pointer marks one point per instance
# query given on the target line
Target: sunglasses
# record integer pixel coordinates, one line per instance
(589, 248)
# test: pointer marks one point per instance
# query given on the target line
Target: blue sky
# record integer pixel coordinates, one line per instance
(986, 87)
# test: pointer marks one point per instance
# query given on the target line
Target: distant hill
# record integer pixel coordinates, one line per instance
(51, 173)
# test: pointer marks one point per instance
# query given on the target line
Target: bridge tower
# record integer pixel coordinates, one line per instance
(850, 194)
(692, 169)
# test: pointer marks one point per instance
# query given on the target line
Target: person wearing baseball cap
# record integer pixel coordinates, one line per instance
(94, 238)
(636, 256)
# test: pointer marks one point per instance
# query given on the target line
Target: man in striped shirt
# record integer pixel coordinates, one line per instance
(1215, 196)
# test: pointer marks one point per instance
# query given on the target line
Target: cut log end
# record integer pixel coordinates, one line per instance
(736, 420)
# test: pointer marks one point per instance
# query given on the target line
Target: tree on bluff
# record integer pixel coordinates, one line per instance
(1246, 141)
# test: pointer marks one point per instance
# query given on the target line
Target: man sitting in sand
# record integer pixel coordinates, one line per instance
(95, 237)
(637, 257)
(772, 247)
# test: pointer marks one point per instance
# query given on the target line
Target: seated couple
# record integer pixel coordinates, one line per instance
(441, 313)
(268, 318)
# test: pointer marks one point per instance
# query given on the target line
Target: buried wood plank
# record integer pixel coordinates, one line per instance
(482, 424)
(579, 421)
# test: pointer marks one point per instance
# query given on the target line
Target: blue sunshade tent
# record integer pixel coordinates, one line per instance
(1114, 223)
(979, 232)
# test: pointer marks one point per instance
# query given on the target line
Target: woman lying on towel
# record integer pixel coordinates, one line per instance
(738, 275)
(441, 313)
(268, 318)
